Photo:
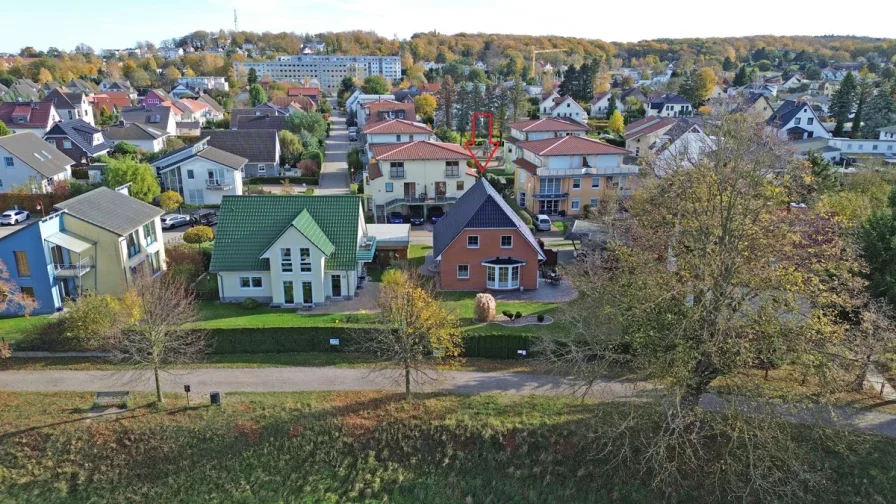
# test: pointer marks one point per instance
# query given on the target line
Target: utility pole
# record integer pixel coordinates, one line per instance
(236, 23)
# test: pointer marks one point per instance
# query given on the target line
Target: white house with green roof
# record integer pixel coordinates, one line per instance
(290, 250)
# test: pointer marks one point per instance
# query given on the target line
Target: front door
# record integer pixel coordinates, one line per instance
(336, 285)
(307, 296)
(410, 190)
(440, 188)
(288, 294)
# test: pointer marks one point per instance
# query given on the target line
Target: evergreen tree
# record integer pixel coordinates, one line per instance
(253, 77)
(843, 102)
(518, 99)
(447, 99)
(863, 93)
(463, 110)
(569, 83)
(611, 106)
(877, 112)
(740, 79)
(728, 65)
(688, 89)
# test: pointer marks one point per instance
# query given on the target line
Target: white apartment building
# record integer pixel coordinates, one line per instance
(329, 70)
(205, 82)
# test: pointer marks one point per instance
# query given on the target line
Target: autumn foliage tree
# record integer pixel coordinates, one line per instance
(170, 200)
(12, 299)
(411, 327)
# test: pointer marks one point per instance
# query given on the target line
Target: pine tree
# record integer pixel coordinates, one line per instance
(253, 77)
(611, 106)
(740, 79)
(688, 89)
(864, 92)
(569, 82)
(842, 103)
(447, 99)
(518, 99)
(728, 64)
(877, 112)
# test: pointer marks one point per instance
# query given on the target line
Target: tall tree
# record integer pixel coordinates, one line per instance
(518, 99)
(253, 77)
(616, 123)
(375, 85)
(447, 100)
(425, 106)
(877, 112)
(611, 106)
(142, 177)
(257, 95)
(728, 64)
(843, 102)
(863, 92)
(291, 148)
(412, 327)
(688, 89)
(741, 78)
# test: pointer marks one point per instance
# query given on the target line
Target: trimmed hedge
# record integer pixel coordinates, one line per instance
(317, 339)
(276, 180)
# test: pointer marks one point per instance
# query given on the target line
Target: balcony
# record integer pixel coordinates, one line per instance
(219, 185)
(73, 270)
(422, 199)
(550, 196)
(578, 172)
(367, 249)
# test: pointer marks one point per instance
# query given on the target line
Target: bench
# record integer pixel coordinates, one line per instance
(113, 398)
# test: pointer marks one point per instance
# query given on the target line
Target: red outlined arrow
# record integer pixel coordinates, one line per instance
(472, 141)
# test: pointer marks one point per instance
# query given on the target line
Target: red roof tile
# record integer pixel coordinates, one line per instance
(309, 92)
(38, 114)
(549, 124)
(570, 146)
(384, 105)
(110, 100)
(647, 126)
(395, 126)
(419, 150)
(430, 87)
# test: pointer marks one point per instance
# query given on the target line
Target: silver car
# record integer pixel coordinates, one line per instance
(171, 221)
(13, 217)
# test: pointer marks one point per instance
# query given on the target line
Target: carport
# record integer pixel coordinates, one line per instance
(392, 241)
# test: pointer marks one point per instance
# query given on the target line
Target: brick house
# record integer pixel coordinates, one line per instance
(155, 97)
(482, 244)
(78, 140)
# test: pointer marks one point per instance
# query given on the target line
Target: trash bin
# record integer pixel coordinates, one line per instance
(215, 398)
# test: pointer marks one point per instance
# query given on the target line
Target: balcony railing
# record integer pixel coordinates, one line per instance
(219, 185)
(550, 195)
(421, 199)
(577, 172)
(452, 174)
(73, 269)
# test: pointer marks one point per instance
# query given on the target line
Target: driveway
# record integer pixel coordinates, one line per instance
(334, 176)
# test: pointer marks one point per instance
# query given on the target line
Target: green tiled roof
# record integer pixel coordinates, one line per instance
(306, 225)
(247, 225)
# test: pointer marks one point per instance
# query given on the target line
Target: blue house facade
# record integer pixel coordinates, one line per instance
(47, 262)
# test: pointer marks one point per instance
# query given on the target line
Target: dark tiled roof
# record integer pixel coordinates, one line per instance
(134, 131)
(63, 99)
(262, 122)
(247, 225)
(257, 146)
(211, 103)
(658, 102)
(479, 207)
(785, 113)
(646, 126)
(111, 210)
(156, 117)
(81, 133)
(36, 153)
(223, 158)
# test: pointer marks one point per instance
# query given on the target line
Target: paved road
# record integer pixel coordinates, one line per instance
(461, 382)
(334, 176)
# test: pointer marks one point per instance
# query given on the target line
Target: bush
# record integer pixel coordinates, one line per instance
(80, 173)
(314, 155)
(517, 315)
(508, 314)
(272, 180)
(188, 263)
(309, 168)
(249, 304)
(540, 318)
(199, 235)
(484, 307)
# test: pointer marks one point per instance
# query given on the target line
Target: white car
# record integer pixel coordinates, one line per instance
(542, 223)
(171, 221)
(13, 217)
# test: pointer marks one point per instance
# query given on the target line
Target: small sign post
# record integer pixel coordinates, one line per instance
(187, 391)
(334, 341)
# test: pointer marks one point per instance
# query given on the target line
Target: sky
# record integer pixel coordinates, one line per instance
(121, 24)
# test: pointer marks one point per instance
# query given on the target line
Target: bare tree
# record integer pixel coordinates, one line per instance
(11, 296)
(711, 276)
(162, 335)
(411, 327)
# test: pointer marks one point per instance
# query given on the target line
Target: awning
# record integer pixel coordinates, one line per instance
(73, 242)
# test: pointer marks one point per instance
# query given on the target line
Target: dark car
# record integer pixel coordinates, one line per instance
(396, 218)
(436, 213)
(204, 218)
(417, 218)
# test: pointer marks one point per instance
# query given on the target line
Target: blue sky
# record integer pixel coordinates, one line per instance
(120, 24)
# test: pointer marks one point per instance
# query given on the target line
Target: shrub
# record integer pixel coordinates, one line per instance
(540, 318)
(170, 200)
(309, 168)
(314, 155)
(80, 174)
(484, 307)
(508, 314)
(5, 351)
(185, 262)
(517, 315)
(249, 304)
(199, 235)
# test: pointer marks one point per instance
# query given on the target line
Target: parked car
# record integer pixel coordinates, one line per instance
(352, 136)
(417, 218)
(396, 218)
(542, 223)
(171, 221)
(436, 213)
(13, 217)
(204, 218)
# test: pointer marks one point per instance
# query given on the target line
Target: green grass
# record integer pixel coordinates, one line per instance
(13, 329)
(227, 316)
(359, 448)
(560, 226)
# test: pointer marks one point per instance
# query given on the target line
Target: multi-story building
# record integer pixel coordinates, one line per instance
(538, 129)
(203, 175)
(205, 82)
(96, 242)
(416, 176)
(566, 173)
(328, 70)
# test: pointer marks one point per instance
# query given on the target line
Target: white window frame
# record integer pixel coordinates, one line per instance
(286, 262)
(574, 205)
(66, 144)
(305, 264)
(576, 184)
(251, 281)
(593, 180)
(464, 276)
(261, 168)
(471, 237)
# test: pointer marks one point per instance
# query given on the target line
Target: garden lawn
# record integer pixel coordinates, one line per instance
(233, 316)
(13, 329)
(355, 447)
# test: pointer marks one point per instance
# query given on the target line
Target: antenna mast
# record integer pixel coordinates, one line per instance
(236, 24)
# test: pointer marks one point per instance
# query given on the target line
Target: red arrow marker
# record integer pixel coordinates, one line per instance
(472, 141)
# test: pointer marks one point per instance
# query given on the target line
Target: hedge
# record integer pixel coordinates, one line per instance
(276, 180)
(317, 339)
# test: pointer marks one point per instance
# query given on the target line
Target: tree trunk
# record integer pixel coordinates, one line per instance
(407, 383)
(702, 376)
(159, 398)
(858, 384)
